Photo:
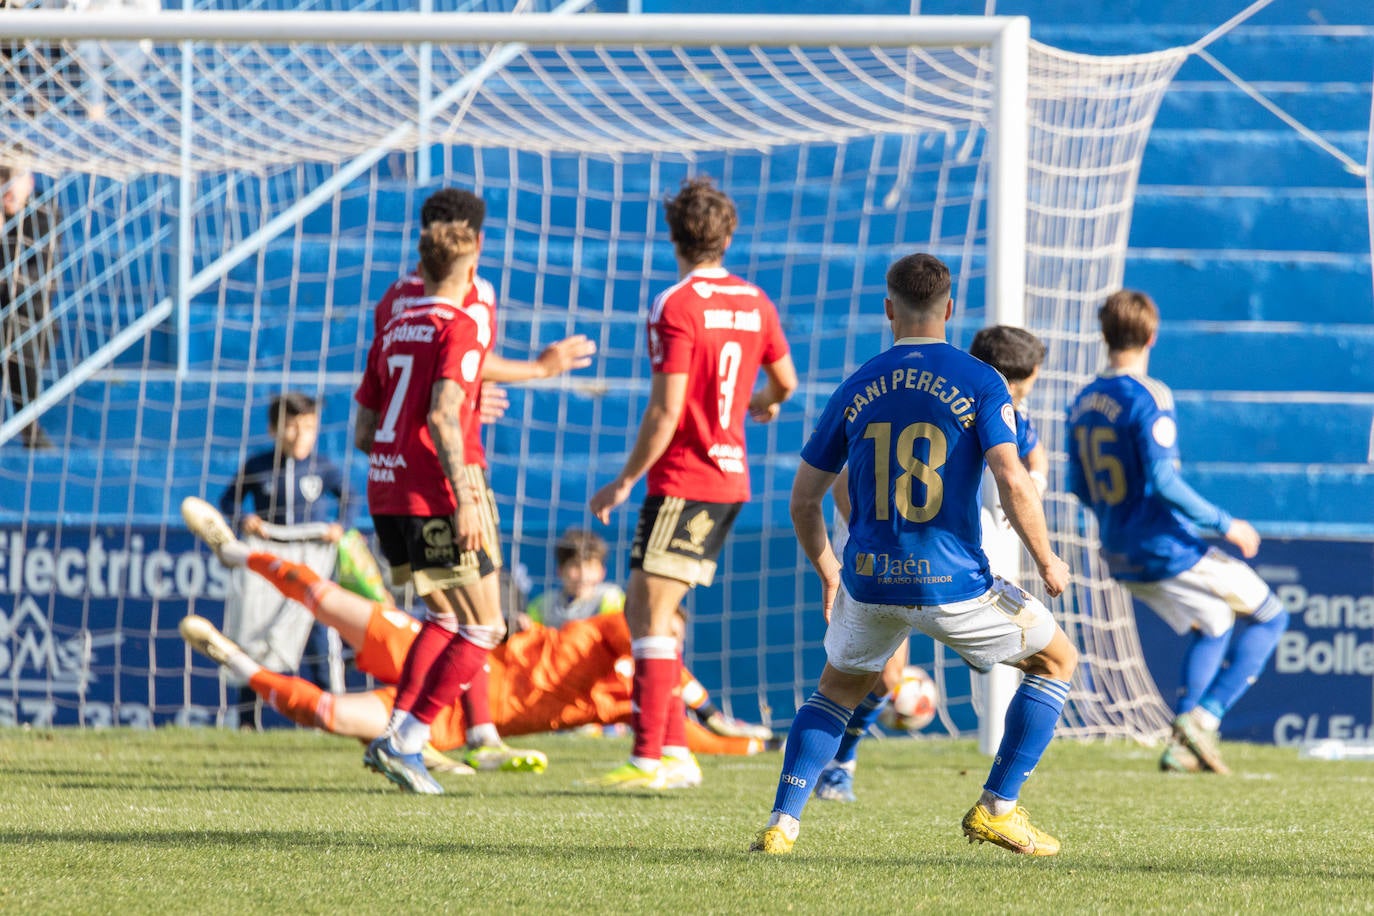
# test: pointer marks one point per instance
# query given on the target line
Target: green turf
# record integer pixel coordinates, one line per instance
(214, 821)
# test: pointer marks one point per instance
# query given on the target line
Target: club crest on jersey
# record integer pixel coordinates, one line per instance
(312, 486)
(1165, 432)
(1009, 417)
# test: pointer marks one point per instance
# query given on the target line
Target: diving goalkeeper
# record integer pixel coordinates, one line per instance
(542, 680)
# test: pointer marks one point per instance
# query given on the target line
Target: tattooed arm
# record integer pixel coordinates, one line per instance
(445, 427)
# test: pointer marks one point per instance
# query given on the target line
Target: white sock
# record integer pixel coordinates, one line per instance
(997, 806)
(484, 736)
(397, 717)
(676, 753)
(411, 736)
(233, 553)
(446, 621)
(647, 764)
(789, 824)
(1204, 718)
(242, 665)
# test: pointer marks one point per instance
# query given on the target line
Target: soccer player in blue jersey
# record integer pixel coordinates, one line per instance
(915, 426)
(1124, 465)
(1017, 354)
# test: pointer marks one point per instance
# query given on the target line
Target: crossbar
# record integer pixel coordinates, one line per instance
(529, 28)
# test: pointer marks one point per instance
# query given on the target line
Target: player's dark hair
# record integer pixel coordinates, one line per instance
(701, 220)
(579, 544)
(291, 404)
(919, 283)
(1129, 320)
(444, 246)
(453, 205)
(1014, 352)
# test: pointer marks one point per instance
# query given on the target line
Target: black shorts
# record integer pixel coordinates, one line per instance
(680, 539)
(421, 548)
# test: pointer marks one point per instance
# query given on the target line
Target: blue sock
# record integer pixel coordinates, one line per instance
(1201, 662)
(811, 742)
(1031, 718)
(859, 724)
(1250, 651)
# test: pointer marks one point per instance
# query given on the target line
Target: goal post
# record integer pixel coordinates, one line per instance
(248, 188)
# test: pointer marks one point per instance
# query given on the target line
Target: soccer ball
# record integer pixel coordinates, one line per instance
(912, 703)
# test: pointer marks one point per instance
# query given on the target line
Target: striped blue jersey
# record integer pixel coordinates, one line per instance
(1119, 425)
(912, 424)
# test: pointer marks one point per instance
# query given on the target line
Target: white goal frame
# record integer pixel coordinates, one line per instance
(1017, 95)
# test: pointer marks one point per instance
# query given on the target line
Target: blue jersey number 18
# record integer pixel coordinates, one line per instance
(927, 472)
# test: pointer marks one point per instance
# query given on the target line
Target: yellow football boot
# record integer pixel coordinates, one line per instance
(1012, 831)
(772, 840)
(628, 776)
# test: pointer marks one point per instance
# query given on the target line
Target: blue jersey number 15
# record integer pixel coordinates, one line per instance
(1097, 461)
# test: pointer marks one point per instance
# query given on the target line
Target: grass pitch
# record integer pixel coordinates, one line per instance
(215, 821)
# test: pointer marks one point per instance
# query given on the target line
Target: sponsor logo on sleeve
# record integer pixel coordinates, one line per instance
(1165, 432)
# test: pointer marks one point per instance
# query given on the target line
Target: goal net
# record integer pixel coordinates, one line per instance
(227, 211)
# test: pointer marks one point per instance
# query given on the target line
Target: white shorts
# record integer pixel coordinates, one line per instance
(1005, 624)
(1208, 597)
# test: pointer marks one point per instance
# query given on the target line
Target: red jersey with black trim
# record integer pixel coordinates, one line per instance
(717, 329)
(430, 340)
(479, 305)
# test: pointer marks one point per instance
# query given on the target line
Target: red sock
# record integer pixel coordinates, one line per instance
(424, 651)
(651, 696)
(477, 701)
(295, 581)
(449, 677)
(675, 729)
(296, 698)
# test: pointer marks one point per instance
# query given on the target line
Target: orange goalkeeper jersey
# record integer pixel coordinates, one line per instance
(544, 679)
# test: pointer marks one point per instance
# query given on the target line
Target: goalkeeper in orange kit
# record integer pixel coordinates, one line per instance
(541, 680)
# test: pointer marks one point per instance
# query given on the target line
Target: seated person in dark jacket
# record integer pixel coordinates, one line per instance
(28, 275)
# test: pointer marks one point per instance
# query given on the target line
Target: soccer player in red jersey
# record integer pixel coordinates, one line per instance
(417, 405)
(709, 334)
(485, 748)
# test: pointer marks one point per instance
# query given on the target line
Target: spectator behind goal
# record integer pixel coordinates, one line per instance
(28, 276)
(287, 486)
(583, 591)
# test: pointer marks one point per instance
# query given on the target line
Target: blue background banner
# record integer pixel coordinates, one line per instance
(88, 626)
(88, 635)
